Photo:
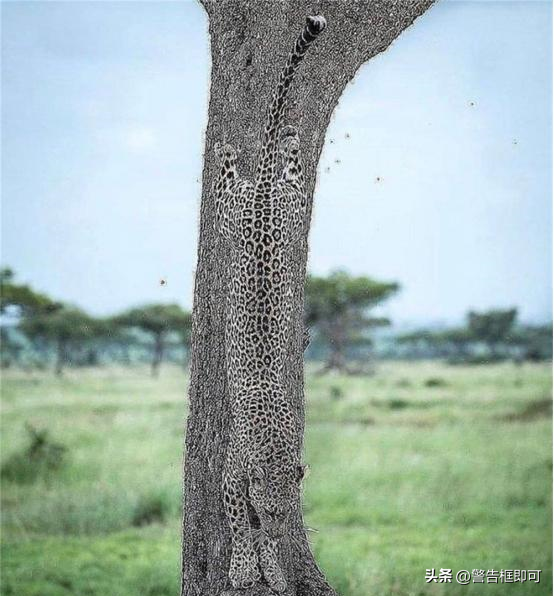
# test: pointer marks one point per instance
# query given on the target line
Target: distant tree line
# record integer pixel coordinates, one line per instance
(487, 336)
(39, 331)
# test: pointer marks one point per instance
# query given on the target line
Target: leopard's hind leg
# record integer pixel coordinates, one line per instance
(244, 570)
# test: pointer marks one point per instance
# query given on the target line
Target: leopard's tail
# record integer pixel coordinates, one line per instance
(268, 157)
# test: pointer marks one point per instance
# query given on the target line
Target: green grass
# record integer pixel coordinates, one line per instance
(420, 466)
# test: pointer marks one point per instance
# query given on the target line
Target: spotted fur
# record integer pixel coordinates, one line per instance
(262, 220)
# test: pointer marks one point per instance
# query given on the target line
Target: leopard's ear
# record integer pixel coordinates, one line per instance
(301, 472)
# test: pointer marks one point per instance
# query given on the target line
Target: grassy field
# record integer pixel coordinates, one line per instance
(420, 466)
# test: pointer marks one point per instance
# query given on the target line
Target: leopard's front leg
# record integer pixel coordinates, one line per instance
(244, 570)
(270, 566)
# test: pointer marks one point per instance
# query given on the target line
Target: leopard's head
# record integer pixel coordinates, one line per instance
(273, 490)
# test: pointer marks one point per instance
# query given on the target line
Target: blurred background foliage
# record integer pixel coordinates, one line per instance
(429, 448)
(345, 333)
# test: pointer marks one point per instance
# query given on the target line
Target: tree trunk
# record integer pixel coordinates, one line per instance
(157, 356)
(250, 41)
(336, 359)
(336, 331)
(60, 356)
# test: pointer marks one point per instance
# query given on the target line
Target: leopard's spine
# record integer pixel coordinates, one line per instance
(267, 162)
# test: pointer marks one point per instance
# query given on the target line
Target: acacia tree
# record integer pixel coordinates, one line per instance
(67, 327)
(22, 297)
(492, 327)
(250, 40)
(338, 306)
(158, 320)
(18, 302)
(534, 340)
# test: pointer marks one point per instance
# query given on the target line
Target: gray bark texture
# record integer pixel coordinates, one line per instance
(250, 41)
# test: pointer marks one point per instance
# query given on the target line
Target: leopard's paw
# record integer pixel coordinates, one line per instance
(276, 580)
(242, 578)
(224, 151)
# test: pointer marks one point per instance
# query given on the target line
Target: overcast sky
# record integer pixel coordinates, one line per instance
(443, 142)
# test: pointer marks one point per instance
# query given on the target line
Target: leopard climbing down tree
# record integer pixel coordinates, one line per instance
(262, 220)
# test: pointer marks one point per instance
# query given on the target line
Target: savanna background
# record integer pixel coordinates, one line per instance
(428, 373)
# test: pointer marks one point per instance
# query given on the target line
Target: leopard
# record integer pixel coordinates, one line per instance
(261, 220)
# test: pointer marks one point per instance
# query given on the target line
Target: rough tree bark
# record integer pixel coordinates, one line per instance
(250, 40)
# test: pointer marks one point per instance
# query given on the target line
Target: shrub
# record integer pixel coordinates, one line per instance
(151, 509)
(435, 382)
(42, 456)
(336, 392)
(398, 404)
